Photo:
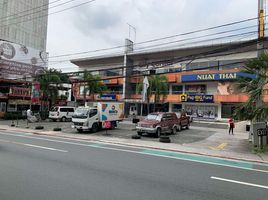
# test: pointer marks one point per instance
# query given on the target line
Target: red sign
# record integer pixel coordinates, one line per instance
(107, 124)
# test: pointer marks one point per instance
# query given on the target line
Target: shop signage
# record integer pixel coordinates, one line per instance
(215, 76)
(197, 98)
(35, 97)
(107, 97)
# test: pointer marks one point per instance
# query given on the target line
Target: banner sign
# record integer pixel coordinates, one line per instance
(18, 61)
(197, 98)
(107, 97)
(35, 93)
(215, 77)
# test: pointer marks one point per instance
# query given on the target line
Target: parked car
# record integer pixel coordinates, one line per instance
(159, 123)
(62, 113)
(184, 120)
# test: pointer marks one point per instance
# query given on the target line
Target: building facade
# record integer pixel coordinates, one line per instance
(24, 22)
(201, 80)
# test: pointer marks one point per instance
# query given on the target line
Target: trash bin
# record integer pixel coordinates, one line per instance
(135, 120)
(247, 127)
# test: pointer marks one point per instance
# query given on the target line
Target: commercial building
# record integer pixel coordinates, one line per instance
(24, 22)
(23, 54)
(201, 79)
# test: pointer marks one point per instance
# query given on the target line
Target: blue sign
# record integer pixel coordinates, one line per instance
(197, 98)
(215, 77)
(108, 97)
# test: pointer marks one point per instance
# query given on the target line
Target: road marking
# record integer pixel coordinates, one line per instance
(159, 153)
(219, 147)
(32, 145)
(239, 182)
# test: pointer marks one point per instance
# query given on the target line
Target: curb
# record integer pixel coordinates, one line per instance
(158, 148)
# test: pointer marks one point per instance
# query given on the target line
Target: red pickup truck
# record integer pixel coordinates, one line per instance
(159, 123)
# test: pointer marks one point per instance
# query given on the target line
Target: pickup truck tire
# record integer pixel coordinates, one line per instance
(179, 128)
(174, 130)
(80, 130)
(94, 128)
(188, 126)
(158, 132)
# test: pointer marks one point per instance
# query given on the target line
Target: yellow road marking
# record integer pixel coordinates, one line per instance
(219, 147)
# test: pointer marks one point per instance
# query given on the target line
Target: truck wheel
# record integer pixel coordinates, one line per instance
(158, 132)
(63, 119)
(94, 128)
(80, 130)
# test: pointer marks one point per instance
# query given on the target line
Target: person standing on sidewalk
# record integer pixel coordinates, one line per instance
(231, 125)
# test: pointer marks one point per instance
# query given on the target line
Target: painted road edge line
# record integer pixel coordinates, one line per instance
(239, 182)
(35, 146)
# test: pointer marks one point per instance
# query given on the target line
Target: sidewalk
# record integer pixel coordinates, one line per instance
(220, 144)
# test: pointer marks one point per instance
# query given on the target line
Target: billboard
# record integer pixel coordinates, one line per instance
(18, 61)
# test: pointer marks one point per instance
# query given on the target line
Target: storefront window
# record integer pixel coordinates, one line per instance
(202, 112)
(2, 106)
(177, 89)
(12, 107)
(176, 107)
(227, 110)
(195, 89)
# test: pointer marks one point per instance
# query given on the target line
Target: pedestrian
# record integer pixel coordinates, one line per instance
(231, 125)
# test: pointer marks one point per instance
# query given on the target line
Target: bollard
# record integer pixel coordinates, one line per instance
(27, 123)
(17, 121)
(12, 122)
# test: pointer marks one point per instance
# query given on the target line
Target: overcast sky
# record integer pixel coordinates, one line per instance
(103, 23)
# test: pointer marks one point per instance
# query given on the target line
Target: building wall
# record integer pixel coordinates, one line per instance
(30, 28)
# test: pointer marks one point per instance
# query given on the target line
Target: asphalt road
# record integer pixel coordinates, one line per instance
(37, 167)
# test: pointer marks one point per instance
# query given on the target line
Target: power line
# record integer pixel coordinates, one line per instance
(186, 39)
(158, 39)
(44, 9)
(31, 19)
(194, 42)
(16, 14)
(214, 52)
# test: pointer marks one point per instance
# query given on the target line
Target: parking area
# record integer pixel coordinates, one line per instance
(124, 130)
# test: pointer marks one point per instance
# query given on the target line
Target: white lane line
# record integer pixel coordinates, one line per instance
(32, 145)
(124, 150)
(239, 182)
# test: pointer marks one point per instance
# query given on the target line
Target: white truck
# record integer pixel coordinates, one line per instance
(94, 118)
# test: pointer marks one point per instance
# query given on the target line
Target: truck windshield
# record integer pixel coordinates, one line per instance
(81, 113)
(153, 117)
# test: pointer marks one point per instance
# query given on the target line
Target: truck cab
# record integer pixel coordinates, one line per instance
(86, 118)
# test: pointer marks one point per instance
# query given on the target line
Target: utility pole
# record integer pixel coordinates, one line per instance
(261, 27)
(260, 43)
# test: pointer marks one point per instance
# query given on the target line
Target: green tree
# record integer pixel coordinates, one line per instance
(254, 108)
(93, 85)
(158, 86)
(49, 83)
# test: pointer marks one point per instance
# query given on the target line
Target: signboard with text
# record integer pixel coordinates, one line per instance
(197, 98)
(215, 76)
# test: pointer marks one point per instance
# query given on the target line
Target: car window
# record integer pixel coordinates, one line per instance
(70, 109)
(54, 109)
(153, 117)
(93, 112)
